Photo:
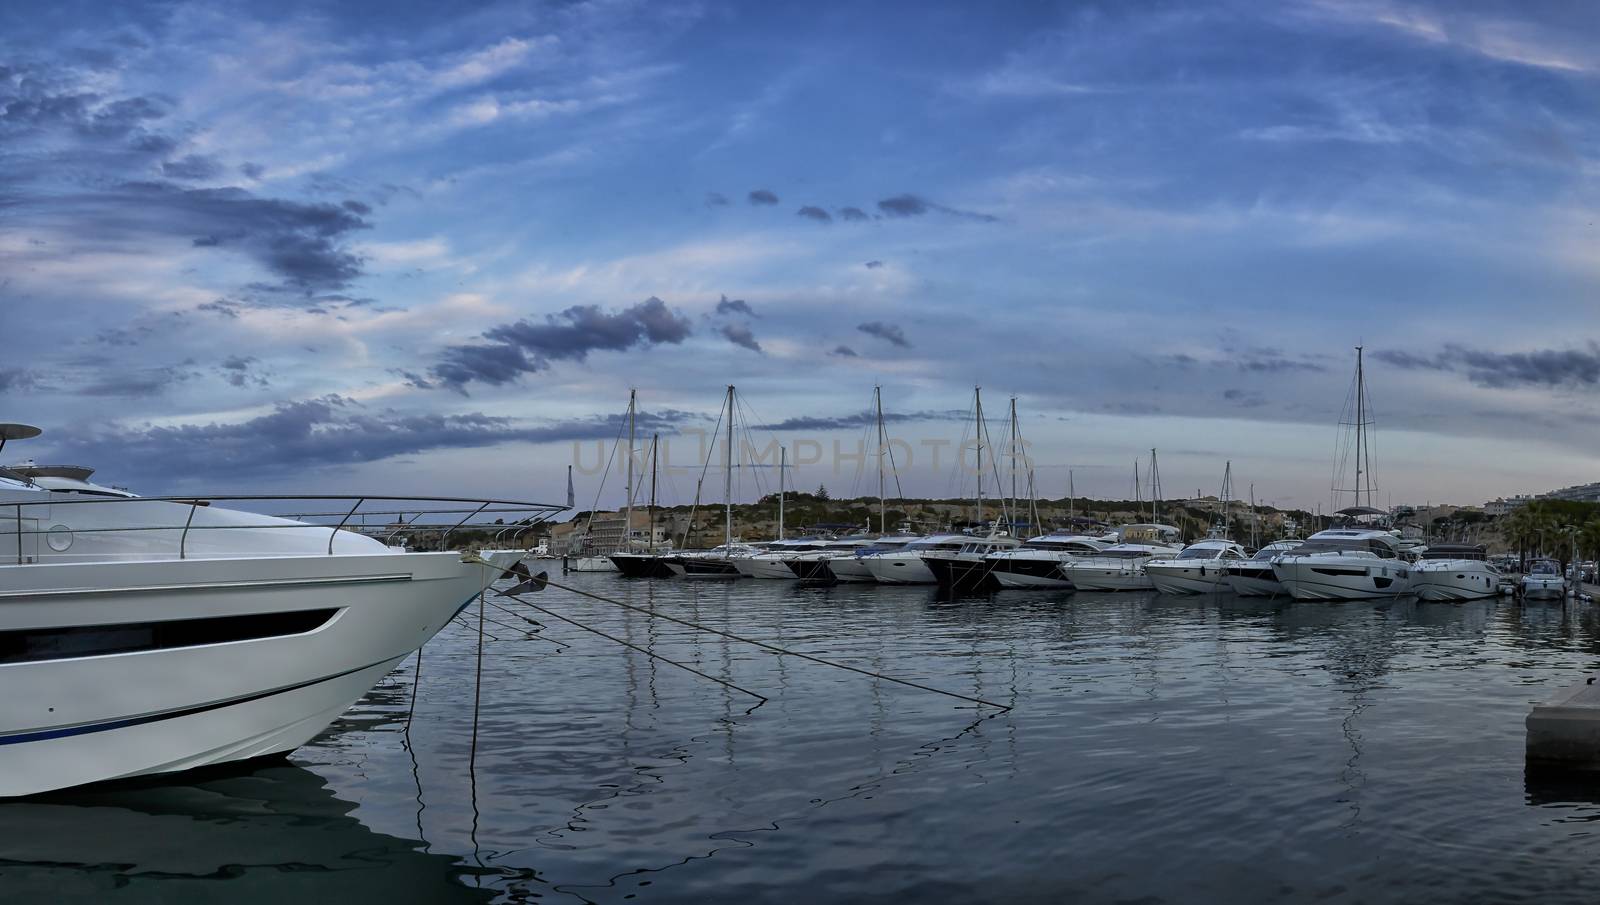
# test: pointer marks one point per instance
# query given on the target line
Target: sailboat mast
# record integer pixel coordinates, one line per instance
(627, 511)
(1255, 519)
(1227, 491)
(1013, 463)
(727, 476)
(1361, 431)
(655, 445)
(1155, 488)
(1072, 497)
(1138, 494)
(883, 507)
(977, 401)
(783, 463)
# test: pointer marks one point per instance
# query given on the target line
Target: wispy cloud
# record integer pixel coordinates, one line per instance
(915, 206)
(327, 432)
(527, 347)
(1502, 370)
(740, 335)
(726, 305)
(887, 332)
(1508, 40)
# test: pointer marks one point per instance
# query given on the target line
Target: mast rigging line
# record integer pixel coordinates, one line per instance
(1001, 708)
(588, 527)
(699, 486)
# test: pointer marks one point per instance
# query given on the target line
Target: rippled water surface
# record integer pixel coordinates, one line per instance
(1159, 750)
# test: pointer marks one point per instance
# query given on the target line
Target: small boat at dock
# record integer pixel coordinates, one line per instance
(1454, 572)
(1543, 581)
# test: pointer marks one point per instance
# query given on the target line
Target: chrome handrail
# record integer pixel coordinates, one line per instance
(530, 515)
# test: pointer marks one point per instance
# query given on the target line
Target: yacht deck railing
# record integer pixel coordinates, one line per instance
(414, 518)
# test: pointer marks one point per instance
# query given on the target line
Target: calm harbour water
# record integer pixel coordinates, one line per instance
(1160, 750)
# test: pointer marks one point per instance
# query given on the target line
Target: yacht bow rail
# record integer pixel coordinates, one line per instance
(416, 519)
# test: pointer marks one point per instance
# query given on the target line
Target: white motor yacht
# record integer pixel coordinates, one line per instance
(855, 567)
(1120, 566)
(1254, 577)
(1344, 564)
(150, 635)
(1037, 562)
(773, 561)
(967, 568)
(1454, 572)
(905, 565)
(720, 561)
(590, 564)
(1200, 568)
(814, 565)
(1543, 581)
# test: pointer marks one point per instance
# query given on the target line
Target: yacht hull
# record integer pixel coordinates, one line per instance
(699, 567)
(1018, 573)
(850, 569)
(765, 567)
(812, 569)
(1444, 580)
(1538, 589)
(1254, 581)
(1330, 578)
(100, 684)
(1206, 578)
(961, 574)
(1088, 577)
(591, 564)
(641, 565)
(900, 569)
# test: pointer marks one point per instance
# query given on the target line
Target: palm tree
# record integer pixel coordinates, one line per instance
(1520, 530)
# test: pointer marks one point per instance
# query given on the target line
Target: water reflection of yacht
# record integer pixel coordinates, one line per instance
(260, 829)
(151, 635)
(1454, 572)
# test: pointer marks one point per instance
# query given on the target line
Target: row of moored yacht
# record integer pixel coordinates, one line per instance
(1338, 564)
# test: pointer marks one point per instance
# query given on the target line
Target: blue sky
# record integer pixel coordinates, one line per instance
(425, 248)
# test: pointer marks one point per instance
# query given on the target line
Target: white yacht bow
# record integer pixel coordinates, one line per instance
(142, 636)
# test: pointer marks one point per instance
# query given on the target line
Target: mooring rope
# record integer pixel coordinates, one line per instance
(653, 655)
(533, 622)
(761, 644)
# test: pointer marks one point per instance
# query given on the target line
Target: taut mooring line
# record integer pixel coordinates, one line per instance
(516, 615)
(647, 653)
(1002, 708)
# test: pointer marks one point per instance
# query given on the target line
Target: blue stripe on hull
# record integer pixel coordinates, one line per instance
(68, 731)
